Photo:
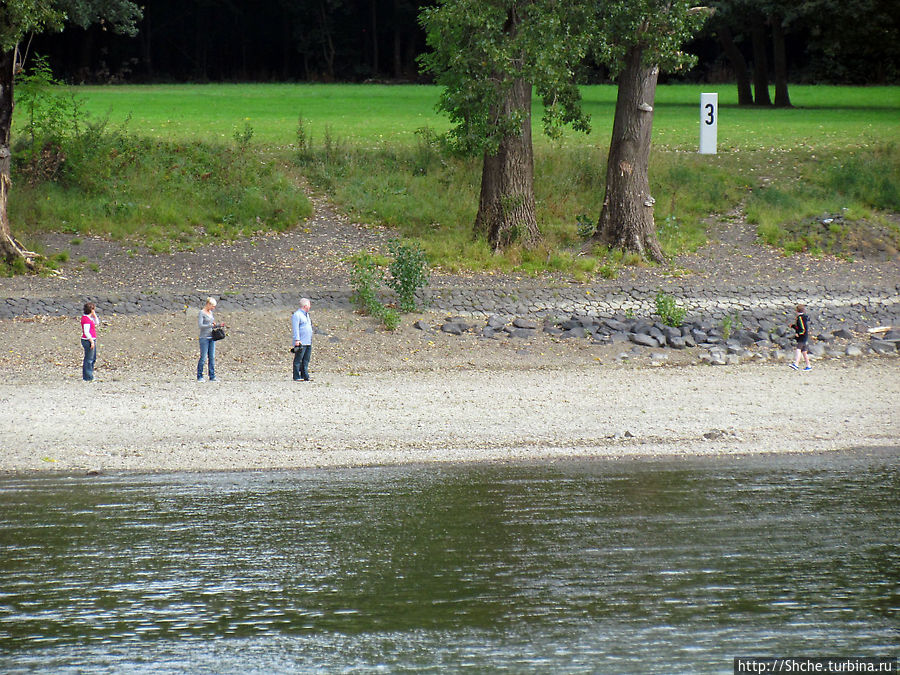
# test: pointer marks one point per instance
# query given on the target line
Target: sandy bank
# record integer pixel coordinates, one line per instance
(244, 422)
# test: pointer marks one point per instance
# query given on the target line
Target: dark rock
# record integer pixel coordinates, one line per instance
(643, 340)
(496, 322)
(520, 322)
(882, 347)
(746, 338)
(842, 334)
(617, 326)
(891, 336)
(455, 328)
(523, 333)
(553, 330)
(576, 332)
(677, 342)
(853, 350)
(699, 336)
(642, 327)
(421, 325)
(618, 336)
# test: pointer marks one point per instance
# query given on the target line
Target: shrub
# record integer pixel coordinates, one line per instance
(586, 226)
(407, 273)
(667, 310)
(366, 276)
(731, 323)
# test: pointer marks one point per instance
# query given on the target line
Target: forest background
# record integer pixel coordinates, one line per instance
(826, 41)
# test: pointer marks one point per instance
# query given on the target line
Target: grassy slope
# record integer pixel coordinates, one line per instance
(365, 151)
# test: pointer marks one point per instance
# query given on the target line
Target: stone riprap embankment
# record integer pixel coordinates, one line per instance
(827, 302)
(727, 342)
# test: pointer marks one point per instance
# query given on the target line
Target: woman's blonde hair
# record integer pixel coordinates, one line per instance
(211, 301)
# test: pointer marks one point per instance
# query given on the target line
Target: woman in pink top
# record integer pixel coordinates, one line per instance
(89, 323)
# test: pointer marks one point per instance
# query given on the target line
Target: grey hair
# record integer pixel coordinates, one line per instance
(304, 302)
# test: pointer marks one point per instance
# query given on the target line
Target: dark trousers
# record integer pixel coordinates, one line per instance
(301, 362)
(90, 358)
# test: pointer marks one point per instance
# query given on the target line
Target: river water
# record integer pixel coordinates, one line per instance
(638, 566)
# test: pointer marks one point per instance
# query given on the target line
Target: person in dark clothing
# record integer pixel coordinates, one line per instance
(801, 329)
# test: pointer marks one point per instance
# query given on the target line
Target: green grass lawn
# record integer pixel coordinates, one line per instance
(836, 151)
(370, 115)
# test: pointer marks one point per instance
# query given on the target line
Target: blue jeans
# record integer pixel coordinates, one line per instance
(90, 358)
(301, 362)
(207, 351)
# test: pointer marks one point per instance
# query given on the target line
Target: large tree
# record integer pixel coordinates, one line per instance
(637, 38)
(489, 55)
(18, 20)
(760, 18)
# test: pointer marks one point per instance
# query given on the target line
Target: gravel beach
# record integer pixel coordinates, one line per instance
(409, 397)
(421, 395)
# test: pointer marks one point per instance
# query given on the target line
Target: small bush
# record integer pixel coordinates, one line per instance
(366, 276)
(668, 311)
(303, 137)
(586, 226)
(243, 136)
(407, 273)
(390, 318)
(731, 323)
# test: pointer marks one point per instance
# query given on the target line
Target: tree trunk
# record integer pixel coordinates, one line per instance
(738, 65)
(782, 98)
(760, 63)
(376, 66)
(10, 249)
(506, 211)
(626, 220)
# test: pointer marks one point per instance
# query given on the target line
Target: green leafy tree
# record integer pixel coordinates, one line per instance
(19, 19)
(636, 40)
(489, 56)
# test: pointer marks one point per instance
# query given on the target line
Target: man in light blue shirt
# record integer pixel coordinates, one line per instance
(302, 331)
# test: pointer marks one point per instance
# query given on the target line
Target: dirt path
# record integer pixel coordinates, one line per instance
(315, 255)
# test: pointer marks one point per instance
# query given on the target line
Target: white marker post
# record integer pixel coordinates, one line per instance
(709, 123)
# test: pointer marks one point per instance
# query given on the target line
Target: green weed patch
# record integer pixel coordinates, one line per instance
(160, 194)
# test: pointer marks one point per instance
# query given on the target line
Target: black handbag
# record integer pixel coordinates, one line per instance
(218, 333)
